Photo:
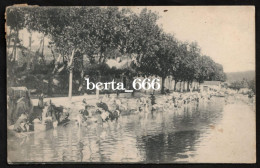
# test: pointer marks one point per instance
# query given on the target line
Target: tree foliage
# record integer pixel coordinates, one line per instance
(96, 33)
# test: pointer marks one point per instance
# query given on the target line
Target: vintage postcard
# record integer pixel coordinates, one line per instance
(131, 84)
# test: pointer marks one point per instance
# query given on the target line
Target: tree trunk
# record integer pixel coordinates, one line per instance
(71, 74)
(133, 93)
(49, 89)
(188, 86)
(100, 57)
(97, 94)
(41, 54)
(15, 43)
(82, 80)
(175, 83)
(163, 83)
(70, 84)
(131, 86)
(30, 42)
(181, 88)
(30, 49)
(43, 46)
(191, 87)
(9, 39)
(99, 80)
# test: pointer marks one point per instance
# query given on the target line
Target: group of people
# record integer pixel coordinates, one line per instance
(106, 109)
(101, 112)
(18, 111)
(169, 102)
(110, 108)
(25, 118)
(55, 115)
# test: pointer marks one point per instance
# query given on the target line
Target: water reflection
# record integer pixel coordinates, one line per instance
(180, 132)
(154, 137)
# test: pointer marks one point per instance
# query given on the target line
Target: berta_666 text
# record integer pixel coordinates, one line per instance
(137, 84)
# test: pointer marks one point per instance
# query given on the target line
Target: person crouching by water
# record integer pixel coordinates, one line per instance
(40, 101)
(21, 125)
(114, 110)
(107, 113)
(139, 107)
(152, 98)
(103, 110)
(23, 106)
(51, 112)
(83, 113)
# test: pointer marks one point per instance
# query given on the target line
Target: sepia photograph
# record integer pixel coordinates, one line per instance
(130, 84)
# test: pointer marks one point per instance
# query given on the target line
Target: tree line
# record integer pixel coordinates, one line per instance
(97, 33)
(245, 83)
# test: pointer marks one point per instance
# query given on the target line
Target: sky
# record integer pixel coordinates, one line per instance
(226, 34)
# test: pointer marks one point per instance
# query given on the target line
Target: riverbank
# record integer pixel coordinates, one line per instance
(126, 98)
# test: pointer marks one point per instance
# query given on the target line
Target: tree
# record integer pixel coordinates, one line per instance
(161, 59)
(206, 69)
(236, 85)
(15, 22)
(191, 65)
(186, 64)
(218, 74)
(138, 36)
(251, 85)
(209, 70)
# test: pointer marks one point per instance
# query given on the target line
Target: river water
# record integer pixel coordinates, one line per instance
(214, 131)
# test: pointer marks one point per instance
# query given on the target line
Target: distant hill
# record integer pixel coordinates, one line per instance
(238, 76)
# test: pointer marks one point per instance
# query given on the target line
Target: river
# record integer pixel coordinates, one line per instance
(214, 131)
